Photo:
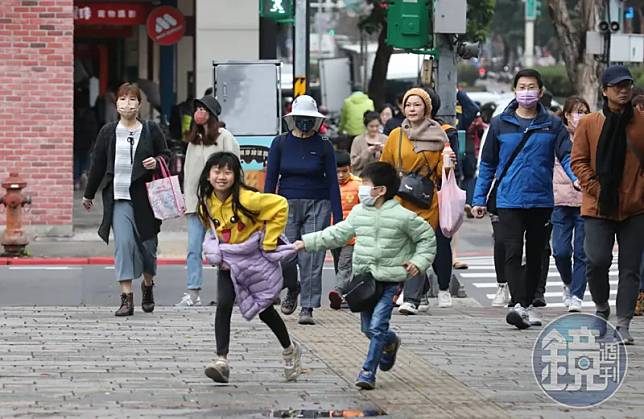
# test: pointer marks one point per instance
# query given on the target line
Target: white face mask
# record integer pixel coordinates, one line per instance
(364, 193)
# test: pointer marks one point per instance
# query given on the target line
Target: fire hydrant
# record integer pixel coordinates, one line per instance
(14, 239)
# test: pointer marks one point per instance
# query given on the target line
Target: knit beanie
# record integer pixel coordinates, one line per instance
(417, 91)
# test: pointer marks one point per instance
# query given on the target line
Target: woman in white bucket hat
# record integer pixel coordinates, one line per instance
(302, 168)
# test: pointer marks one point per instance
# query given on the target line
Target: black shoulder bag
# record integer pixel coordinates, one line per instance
(491, 199)
(363, 292)
(417, 189)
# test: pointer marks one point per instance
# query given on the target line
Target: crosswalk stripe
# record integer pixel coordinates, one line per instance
(493, 275)
(554, 284)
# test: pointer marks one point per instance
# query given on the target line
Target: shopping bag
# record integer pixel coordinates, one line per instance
(451, 205)
(165, 195)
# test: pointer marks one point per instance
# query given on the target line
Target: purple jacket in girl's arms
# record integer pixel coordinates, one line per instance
(256, 274)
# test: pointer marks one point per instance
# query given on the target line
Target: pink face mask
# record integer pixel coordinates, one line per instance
(574, 121)
(527, 98)
(200, 117)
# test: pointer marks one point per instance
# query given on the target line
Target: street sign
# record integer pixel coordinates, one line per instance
(299, 86)
(276, 9)
(166, 25)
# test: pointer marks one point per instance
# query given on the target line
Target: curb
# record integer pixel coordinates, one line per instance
(16, 261)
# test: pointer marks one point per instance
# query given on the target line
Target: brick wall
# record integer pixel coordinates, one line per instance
(36, 106)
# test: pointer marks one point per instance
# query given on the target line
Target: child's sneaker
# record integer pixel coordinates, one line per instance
(218, 371)
(336, 300)
(407, 308)
(366, 380)
(292, 361)
(388, 358)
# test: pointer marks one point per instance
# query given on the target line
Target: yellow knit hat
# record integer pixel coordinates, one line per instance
(417, 91)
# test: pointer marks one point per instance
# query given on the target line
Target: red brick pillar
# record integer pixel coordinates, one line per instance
(36, 106)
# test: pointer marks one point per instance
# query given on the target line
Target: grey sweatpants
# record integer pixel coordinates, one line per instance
(598, 245)
(306, 216)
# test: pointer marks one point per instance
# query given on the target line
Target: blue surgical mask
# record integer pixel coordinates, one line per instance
(364, 193)
(304, 123)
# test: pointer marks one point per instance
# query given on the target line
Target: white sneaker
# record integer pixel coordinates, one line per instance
(424, 304)
(444, 299)
(502, 297)
(187, 301)
(534, 317)
(407, 309)
(292, 361)
(575, 304)
(566, 297)
(518, 316)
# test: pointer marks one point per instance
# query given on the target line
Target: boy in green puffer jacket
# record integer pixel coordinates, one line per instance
(392, 244)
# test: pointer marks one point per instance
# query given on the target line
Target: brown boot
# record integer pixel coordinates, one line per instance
(127, 305)
(147, 300)
(639, 307)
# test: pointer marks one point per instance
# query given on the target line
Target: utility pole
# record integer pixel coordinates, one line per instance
(447, 78)
(301, 49)
(532, 11)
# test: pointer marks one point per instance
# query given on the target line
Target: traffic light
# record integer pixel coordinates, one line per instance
(408, 24)
(532, 9)
(276, 9)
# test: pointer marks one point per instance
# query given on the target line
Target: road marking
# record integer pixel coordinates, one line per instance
(493, 275)
(45, 268)
(494, 284)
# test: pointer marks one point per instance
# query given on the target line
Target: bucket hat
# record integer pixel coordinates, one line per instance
(210, 103)
(304, 106)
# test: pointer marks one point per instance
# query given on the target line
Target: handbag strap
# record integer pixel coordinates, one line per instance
(514, 155)
(163, 168)
(400, 162)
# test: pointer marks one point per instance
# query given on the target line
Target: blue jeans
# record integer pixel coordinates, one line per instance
(194, 260)
(375, 325)
(306, 216)
(564, 221)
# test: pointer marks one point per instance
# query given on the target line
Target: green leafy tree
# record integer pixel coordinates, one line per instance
(479, 16)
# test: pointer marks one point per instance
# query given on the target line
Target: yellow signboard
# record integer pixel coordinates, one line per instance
(299, 86)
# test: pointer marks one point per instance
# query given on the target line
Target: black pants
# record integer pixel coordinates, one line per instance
(513, 226)
(598, 245)
(225, 302)
(418, 285)
(499, 257)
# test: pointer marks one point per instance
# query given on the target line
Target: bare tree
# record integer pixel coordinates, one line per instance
(583, 71)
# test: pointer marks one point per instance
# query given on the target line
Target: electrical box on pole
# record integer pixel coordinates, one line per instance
(409, 23)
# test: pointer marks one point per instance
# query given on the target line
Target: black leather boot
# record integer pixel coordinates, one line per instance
(127, 305)
(147, 300)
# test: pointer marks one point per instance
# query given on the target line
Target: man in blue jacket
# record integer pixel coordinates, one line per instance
(524, 198)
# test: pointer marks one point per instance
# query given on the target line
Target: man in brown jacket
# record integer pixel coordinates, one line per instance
(607, 159)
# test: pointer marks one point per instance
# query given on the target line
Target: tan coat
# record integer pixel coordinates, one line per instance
(584, 159)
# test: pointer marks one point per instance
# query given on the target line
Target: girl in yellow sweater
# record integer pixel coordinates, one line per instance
(238, 212)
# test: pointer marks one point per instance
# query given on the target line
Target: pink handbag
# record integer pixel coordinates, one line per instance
(165, 194)
(451, 204)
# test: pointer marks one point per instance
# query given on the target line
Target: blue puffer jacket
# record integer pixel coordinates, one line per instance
(528, 182)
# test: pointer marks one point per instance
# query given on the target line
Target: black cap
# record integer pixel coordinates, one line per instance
(615, 74)
(210, 103)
